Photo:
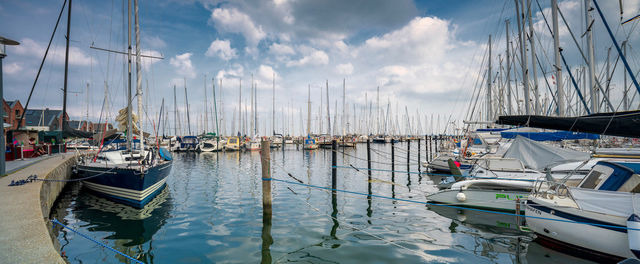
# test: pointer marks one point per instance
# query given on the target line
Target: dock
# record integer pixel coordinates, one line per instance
(25, 235)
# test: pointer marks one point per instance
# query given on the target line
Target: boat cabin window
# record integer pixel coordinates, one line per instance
(233, 141)
(477, 141)
(597, 174)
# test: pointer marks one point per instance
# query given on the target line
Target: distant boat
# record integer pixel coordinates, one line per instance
(310, 143)
(188, 143)
(233, 144)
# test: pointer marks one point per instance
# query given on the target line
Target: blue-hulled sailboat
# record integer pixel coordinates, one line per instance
(133, 176)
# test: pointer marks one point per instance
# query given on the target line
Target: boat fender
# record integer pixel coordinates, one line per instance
(461, 197)
(633, 222)
(165, 154)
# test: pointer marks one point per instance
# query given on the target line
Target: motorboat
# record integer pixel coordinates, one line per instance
(605, 203)
(233, 144)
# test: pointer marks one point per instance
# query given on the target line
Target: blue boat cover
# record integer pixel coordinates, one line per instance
(164, 153)
(550, 136)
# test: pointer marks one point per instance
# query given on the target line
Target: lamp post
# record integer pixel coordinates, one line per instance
(4, 42)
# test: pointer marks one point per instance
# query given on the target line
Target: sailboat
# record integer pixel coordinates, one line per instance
(309, 141)
(254, 141)
(133, 176)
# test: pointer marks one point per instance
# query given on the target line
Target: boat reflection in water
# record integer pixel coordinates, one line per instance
(128, 228)
(496, 233)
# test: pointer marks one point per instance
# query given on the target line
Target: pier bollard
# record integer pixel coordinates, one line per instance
(334, 157)
(21, 152)
(49, 149)
(369, 157)
(266, 176)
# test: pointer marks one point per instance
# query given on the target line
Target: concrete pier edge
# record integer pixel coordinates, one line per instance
(25, 232)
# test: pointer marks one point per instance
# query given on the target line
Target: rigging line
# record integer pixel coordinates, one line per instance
(42, 62)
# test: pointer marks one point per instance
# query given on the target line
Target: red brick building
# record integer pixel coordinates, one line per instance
(13, 110)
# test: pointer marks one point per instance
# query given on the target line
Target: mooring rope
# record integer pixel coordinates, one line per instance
(453, 206)
(56, 222)
(34, 177)
(434, 174)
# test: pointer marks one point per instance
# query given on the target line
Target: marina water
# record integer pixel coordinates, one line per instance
(211, 211)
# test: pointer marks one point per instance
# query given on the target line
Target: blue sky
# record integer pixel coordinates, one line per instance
(424, 55)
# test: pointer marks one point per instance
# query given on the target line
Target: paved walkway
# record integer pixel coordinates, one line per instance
(15, 165)
(24, 236)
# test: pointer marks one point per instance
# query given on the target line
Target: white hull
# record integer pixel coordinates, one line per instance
(594, 238)
(478, 198)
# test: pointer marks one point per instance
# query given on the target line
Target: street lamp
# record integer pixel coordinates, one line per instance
(3, 150)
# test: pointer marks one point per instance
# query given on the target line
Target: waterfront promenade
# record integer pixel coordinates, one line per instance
(24, 232)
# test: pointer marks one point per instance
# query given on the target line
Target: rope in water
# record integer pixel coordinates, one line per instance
(434, 174)
(452, 206)
(56, 222)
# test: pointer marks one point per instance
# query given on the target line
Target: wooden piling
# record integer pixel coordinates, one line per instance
(266, 176)
(408, 155)
(419, 155)
(334, 157)
(369, 157)
(393, 156)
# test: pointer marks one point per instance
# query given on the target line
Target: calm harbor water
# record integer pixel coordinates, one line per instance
(211, 211)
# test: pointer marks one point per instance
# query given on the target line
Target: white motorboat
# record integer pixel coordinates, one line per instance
(605, 203)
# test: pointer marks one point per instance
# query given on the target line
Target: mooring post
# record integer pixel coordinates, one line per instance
(408, 155)
(436, 150)
(393, 156)
(518, 211)
(369, 157)
(334, 157)
(426, 147)
(49, 147)
(418, 155)
(21, 152)
(266, 176)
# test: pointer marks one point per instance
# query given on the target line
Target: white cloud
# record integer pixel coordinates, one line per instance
(235, 72)
(147, 62)
(281, 49)
(29, 47)
(12, 68)
(183, 65)
(344, 69)
(154, 42)
(234, 21)
(311, 57)
(222, 49)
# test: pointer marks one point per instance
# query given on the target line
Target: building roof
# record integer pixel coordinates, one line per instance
(12, 103)
(75, 124)
(34, 117)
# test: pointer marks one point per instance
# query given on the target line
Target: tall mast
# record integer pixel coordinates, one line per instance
(138, 77)
(489, 108)
(240, 108)
(66, 71)
(523, 56)
(328, 112)
(320, 117)
(175, 112)
(625, 90)
(309, 110)
(273, 105)
(536, 101)
(378, 109)
(224, 120)
(215, 107)
(344, 110)
(206, 109)
(186, 101)
(129, 110)
(595, 102)
(255, 108)
(253, 125)
(556, 48)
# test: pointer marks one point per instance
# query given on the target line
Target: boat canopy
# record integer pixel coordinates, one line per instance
(623, 124)
(549, 136)
(538, 156)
